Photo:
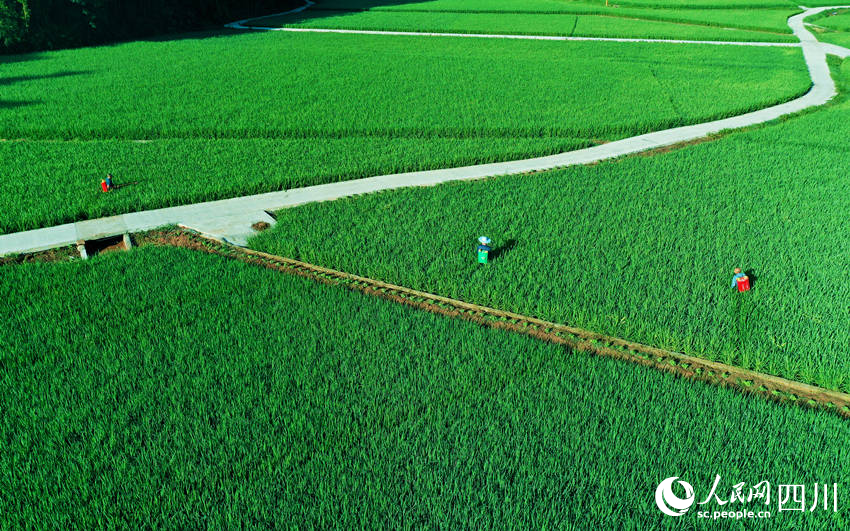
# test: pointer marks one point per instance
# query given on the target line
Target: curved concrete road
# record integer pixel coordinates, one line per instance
(240, 24)
(231, 219)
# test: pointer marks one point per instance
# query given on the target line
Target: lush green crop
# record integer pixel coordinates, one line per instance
(48, 183)
(326, 110)
(832, 27)
(501, 13)
(710, 4)
(839, 38)
(335, 86)
(517, 23)
(825, 3)
(549, 6)
(166, 388)
(641, 248)
(710, 25)
(839, 21)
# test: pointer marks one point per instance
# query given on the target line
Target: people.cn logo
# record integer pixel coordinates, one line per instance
(669, 503)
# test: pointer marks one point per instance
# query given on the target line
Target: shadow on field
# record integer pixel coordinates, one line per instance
(119, 186)
(502, 250)
(16, 104)
(752, 276)
(4, 81)
(252, 8)
(334, 8)
(359, 5)
(20, 58)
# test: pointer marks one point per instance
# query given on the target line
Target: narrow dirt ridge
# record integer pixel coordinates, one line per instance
(771, 387)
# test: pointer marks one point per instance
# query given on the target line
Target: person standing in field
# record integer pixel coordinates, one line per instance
(483, 249)
(738, 274)
(108, 180)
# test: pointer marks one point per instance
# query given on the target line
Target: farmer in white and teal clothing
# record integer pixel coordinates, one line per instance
(483, 249)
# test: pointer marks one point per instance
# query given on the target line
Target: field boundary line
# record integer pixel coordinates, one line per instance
(767, 385)
(522, 37)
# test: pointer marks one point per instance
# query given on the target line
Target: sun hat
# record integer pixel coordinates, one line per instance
(484, 240)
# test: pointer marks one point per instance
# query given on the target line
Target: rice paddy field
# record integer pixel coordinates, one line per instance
(771, 26)
(832, 27)
(170, 172)
(641, 248)
(177, 389)
(473, 87)
(552, 6)
(165, 387)
(326, 110)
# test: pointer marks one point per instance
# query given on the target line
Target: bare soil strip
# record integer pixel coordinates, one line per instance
(772, 387)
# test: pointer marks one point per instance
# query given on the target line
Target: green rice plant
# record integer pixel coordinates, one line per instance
(48, 183)
(642, 248)
(169, 388)
(770, 26)
(838, 20)
(832, 26)
(520, 23)
(825, 3)
(502, 13)
(328, 109)
(718, 5)
(551, 6)
(336, 86)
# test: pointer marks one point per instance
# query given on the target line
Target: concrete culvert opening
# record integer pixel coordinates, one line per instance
(106, 245)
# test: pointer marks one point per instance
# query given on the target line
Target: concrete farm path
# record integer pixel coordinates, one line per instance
(231, 219)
